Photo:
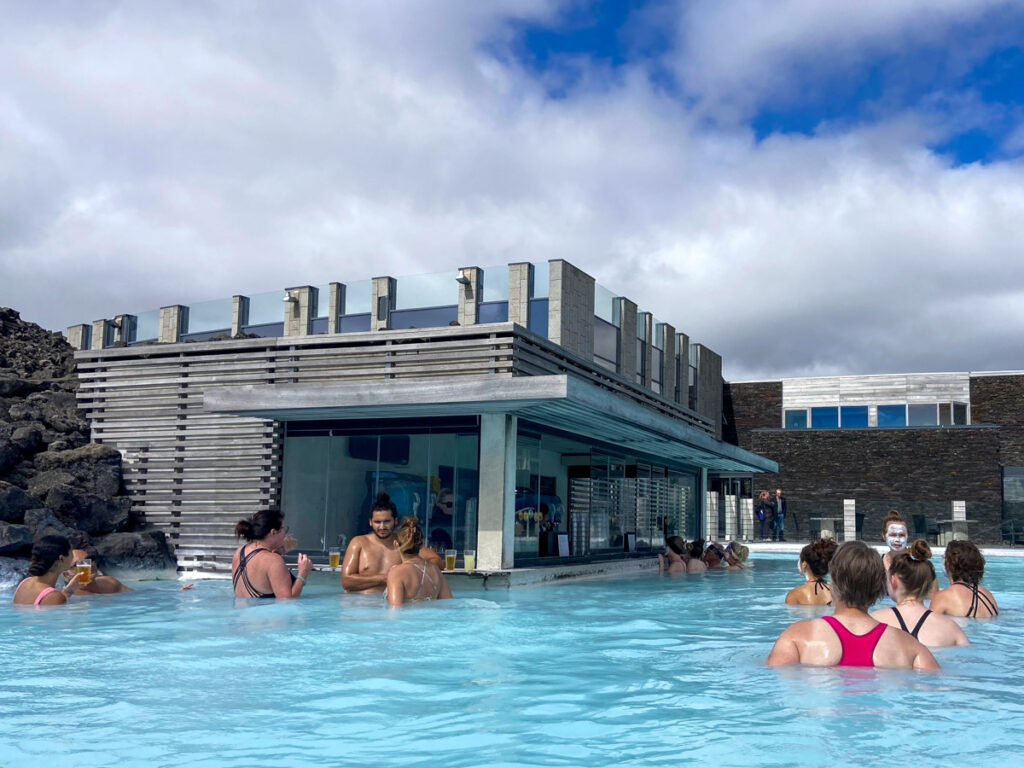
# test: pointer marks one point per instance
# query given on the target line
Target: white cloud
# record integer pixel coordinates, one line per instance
(163, 156)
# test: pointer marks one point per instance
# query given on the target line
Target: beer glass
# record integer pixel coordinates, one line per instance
(334, 557)
(84, 567)
(449, 559)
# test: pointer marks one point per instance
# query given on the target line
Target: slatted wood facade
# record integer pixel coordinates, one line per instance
(194, 473)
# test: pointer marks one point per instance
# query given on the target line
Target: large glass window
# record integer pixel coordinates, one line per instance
(825, 417)
(796, 418)
(892, 415)
(922, 415)
(331, 477)
(960, 414)
(852, 416)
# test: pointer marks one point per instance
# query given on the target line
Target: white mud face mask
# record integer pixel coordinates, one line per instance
(896, 537)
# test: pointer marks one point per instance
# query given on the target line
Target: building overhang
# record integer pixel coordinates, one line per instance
(564, 402)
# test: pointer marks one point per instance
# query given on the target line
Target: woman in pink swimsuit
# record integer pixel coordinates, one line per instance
(51, 555)
(850, 637)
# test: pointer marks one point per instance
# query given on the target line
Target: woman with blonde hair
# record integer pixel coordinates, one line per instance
(415, 579)
(909, 582)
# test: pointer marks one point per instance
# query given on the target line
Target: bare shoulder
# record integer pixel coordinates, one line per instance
(943, 601)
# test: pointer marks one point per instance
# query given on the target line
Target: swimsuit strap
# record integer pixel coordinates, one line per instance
(977, 600)
(903, 624)
(858, 650)
(240, 573)
(823, 584)
(920, 623)
(424, 577)
(44, 593)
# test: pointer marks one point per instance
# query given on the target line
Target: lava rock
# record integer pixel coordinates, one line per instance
(95, 467)
(42, 522)
(14, 502)
(88, 512)
(140, 550)
(15, 538)
(9, 455)
(28, 439)
(12, 571)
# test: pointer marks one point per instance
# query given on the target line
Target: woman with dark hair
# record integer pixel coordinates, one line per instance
(51, 556)
(674, 559)
(850, 637)
(965, 567)
(911, 576)
(695, 549)
(813, 565)
(415, 579)
(257, 570)
(765, 513)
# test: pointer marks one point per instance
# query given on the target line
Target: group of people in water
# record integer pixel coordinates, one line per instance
(898, 636)
(393, 560)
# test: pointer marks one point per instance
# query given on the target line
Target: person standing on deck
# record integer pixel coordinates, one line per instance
(369, 557)
(779, 529)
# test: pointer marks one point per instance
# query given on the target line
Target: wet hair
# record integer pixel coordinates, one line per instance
(696, 548)
(383, 503)
(858, 575)
(742, 551)
(913, 567)
(818, 554)
(259, 525)
(893, 517)
(409, 536)
(964, 561)
(676, 544)
(47, 550)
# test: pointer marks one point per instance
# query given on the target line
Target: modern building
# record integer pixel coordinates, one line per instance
(945, 449)
(523, 411)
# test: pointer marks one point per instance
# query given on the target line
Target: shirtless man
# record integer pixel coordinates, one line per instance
(369, 557)
(100, 584)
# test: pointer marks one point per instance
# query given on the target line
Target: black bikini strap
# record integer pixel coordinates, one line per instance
(899, 618)
(920, 622)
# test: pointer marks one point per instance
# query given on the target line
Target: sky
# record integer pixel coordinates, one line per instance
(808, 188)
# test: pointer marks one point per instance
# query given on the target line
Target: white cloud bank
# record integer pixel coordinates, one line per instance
(153, 154)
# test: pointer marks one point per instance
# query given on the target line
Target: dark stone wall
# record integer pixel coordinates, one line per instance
(1000, 400)
(750, 406)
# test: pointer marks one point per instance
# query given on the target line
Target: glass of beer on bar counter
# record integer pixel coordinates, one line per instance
(449, 559)
(334, 557)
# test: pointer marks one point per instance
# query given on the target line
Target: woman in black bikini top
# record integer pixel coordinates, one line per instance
(257, 570)
(965, 567)
(813, 565)
(910, 579)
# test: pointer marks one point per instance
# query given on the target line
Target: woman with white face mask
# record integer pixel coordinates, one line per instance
(894, 528)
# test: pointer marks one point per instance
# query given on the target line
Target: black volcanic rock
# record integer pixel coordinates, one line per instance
(143, 549)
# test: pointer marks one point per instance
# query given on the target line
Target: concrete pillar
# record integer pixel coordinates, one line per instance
(383, 292)
(627, 337)
(520, 291)
(702, 500)
(470, 293)
(709, 387)
(173, 323)
(239, 314)
(849, 519)
(732, 510)
(495, 545)
(571, 309)
(335, 307)
(683, 369)
(79, 336)
(711, 519)
(747, 519)
(101, 335)
(647, 321)
(125, 328)
(668, 357)
(300, 311)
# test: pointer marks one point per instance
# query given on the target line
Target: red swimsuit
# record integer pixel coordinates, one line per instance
(858, 650)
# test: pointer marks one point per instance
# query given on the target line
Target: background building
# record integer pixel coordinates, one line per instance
(911, 442)
(523, 411)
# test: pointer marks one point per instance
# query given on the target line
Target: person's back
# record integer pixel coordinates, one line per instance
(933, 629)
(414, 579)
(965, 567)
(813, 566)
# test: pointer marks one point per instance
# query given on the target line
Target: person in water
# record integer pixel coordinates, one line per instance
(813, 564)
(736, 555)
(894, 530)
(369, 557)
(965, 567)
(51, 556)
(100, 584)
(695, 550)
(910, 580)
(850, 637)
(257, 569)
(415, 579)
(675, 557)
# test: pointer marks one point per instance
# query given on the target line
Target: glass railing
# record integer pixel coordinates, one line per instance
(212, 315)
(437, 289)
(147, 325)
(266, 308)
(605, 304)
(495, 284)
(541, 282)
(659, 333)
(357, 297)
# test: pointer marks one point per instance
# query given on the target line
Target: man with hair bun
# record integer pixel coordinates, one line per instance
(850, 637)
(369, 557)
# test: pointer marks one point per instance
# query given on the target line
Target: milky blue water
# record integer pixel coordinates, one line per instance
(641, 671)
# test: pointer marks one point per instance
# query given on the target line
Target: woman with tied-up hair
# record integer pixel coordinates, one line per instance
(965, 567)
(415, 579)
(257, 568)
(51, 555)
(813, 566)
(910, 579)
